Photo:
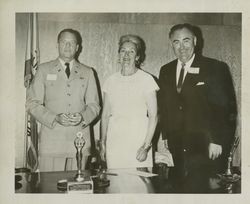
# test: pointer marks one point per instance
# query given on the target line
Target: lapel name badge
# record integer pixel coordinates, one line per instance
(194, 70)
(52, 77)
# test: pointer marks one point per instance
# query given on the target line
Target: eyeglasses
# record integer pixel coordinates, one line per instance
(65, 42)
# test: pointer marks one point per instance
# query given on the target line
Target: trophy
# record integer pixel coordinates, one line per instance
(81, 182)
(228, 178)
(79, 144)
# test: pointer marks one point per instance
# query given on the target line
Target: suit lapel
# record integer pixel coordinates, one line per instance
(191, 79)
(172, 75)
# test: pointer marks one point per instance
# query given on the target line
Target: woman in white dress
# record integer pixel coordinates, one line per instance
(129, 115)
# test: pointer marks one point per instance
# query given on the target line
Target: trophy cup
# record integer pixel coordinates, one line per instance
(228, 178)
(81, 182)
(79, 143)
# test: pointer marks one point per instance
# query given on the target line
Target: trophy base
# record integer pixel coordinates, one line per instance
(225, 178)
(84, 186)
(72, 186)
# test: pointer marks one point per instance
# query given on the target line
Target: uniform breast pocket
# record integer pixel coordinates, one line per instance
(81, 81)
(80, 85)
(50, 88)
(49, 83)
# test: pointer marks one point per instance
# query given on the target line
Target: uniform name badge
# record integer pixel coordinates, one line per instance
(51, 77)
(194, 70)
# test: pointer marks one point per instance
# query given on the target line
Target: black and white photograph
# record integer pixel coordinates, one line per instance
(124, 103)
(129, 103)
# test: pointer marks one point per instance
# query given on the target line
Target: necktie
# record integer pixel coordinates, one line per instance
(179, 84)
(67, 70)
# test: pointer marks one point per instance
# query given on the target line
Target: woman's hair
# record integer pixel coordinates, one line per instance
(139, 44)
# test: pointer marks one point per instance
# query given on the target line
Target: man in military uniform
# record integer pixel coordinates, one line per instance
(63, 97)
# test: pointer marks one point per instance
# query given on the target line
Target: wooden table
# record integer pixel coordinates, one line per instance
(46, 182)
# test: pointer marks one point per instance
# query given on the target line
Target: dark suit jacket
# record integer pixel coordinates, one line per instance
(200, 114)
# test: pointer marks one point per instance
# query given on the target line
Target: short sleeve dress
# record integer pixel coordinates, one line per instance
(128, 121)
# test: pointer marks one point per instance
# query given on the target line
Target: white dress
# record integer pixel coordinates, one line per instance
(128, 121)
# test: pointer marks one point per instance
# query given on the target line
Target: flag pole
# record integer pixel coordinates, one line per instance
(27, 78)
(25, 141)
(31, 65)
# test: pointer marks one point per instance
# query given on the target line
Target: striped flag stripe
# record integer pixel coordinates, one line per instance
(31, 65)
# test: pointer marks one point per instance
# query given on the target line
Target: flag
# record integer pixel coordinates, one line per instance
(32, 50)
(31, 143)
(31, 65)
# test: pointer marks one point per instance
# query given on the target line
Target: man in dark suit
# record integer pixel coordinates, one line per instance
(198, 108)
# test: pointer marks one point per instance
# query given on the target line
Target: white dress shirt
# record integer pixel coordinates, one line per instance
(70, 64)
(187, 66)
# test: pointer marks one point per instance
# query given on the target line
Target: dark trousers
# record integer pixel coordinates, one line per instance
(192, 170)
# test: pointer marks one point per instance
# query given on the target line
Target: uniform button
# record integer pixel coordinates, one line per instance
(184, 150)
(68, 94)
(68, 85)
(69, 104)
(180, 107)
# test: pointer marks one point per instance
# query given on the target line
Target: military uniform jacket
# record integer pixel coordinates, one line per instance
(51, 93)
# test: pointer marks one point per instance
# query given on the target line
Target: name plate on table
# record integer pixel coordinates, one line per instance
(85, 186)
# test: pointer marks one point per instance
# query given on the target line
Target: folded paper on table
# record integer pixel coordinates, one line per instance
(132, 171)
